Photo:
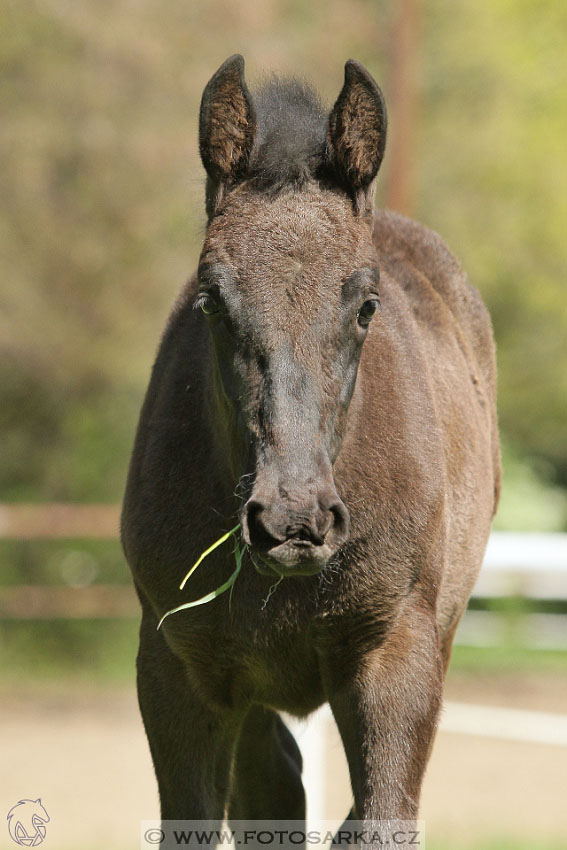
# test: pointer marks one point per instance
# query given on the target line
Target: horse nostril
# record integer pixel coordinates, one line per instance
(254, 526)
(326, 524)
(340, 520)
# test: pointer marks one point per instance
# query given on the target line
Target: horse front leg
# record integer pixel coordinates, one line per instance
(266, 776)
(386, 703)
(267, 792)
(192, 744)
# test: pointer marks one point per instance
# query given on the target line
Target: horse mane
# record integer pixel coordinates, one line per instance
(289, 148)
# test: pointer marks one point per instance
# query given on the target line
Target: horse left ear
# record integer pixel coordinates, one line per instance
(356, 135)
(227, 126)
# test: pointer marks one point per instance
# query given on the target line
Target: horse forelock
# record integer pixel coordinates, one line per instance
(289, 149)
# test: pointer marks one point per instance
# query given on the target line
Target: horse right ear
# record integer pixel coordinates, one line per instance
(227, 126)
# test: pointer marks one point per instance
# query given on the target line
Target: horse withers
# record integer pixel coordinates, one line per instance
(326, 382)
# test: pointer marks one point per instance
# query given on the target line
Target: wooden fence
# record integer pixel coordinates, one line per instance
(532, 566)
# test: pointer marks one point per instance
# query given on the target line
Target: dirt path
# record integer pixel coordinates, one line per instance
(83, 751)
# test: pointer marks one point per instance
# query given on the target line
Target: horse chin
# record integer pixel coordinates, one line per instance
(288, 559)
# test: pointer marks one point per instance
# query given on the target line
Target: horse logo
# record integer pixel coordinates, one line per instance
(26, 822)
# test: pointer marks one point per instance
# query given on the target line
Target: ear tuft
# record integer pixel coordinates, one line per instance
(227, 124)
(356, 135)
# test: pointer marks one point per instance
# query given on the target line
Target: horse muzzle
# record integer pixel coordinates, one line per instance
(296, 537)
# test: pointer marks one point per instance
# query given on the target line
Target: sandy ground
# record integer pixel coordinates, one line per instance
(83, 751)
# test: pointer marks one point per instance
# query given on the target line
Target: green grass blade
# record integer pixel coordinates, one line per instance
(208, 551)
(238, 556)
(209, 596)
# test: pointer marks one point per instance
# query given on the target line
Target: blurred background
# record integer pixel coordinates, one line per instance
(101, 221)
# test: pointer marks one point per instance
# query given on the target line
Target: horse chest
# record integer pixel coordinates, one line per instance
(270, 664)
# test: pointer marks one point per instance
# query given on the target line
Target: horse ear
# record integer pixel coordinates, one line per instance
(227, 125)
(356, 134)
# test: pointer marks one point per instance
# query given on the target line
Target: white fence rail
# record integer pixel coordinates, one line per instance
(526, 565)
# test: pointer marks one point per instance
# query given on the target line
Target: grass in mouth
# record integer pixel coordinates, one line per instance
(238, 555)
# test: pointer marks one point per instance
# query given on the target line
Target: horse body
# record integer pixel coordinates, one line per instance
(360, 456)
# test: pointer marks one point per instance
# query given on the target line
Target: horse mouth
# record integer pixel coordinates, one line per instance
(291, 558)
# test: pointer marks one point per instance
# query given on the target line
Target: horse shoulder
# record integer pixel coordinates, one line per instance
(444, 302)
(412, 253)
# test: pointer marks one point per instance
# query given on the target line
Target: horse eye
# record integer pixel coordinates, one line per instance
(208, 305)
(367, 311)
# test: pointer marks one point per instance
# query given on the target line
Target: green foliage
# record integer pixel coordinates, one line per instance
(68, 562)
(79, 650)
(509, 657)
(102, 208)
(493, 182)
(530, 500)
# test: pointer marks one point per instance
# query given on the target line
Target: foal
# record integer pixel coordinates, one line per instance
(326, 382)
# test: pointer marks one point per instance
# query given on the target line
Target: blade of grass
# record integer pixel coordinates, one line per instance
(209, 596)
(229, 583)
(208, 552)
(238, 556)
